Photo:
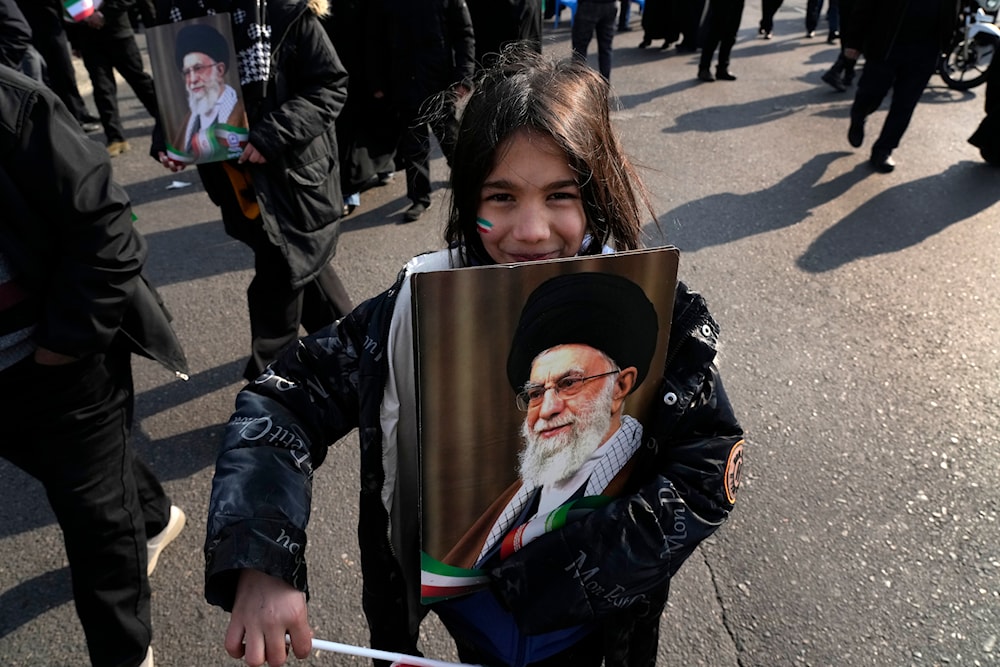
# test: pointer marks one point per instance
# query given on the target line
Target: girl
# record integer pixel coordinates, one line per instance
(538, 173)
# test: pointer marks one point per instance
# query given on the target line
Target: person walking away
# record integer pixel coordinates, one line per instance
(659, 22)
(106, 43)
(841, 74)
(768, 8)
(74, 306)
(901, 41)
(497, 23)
(722, 24)
(48, 36)
(595, 16)
(987, 136)
(428, 52)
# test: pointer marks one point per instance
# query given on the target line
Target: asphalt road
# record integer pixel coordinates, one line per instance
(860, 347)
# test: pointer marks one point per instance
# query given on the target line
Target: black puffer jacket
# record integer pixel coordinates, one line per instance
(282, 429)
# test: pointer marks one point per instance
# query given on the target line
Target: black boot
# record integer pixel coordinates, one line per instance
(835, 75)
(705, 74)
(722, 72)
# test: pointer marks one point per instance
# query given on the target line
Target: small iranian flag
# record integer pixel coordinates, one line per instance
(79, 10)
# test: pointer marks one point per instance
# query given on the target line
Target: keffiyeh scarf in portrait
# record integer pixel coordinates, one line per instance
(251, 36)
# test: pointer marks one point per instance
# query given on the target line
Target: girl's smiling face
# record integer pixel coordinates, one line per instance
(530, 206)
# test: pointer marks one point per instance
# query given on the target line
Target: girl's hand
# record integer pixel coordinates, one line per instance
(265, 610)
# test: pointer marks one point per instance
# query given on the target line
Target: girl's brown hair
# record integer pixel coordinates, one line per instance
(567, 101)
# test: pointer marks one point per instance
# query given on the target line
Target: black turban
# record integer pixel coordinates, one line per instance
(201, 38)
(604, 311)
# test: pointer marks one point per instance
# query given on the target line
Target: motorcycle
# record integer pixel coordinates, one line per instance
(972, 49)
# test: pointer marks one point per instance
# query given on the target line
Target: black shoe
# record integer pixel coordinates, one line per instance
(856, 132)
(723, 74)
(761, 30)
(832, 37)
(705, 74)
(90, 126)
(848, 77)
(882, 162)
(645, 42)
(810, 34)
(833, 78)
(665, 46)
(414, 212)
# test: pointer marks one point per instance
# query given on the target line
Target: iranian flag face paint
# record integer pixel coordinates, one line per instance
(484, 226)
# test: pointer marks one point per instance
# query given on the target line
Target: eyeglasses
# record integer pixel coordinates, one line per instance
(565, 387)
(196, 70)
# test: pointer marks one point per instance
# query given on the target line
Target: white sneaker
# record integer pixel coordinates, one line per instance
(148, 661)
(157, 543)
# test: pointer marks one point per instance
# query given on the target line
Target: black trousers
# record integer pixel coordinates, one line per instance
(49, 39)
(413, 152)
(768, 9)
(721, 26)
(67, 426)
(102, 54)
(276, 308)
(595, 18)
(905, 71)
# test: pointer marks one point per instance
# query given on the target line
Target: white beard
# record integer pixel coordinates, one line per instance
(552, 460)
(207, 101)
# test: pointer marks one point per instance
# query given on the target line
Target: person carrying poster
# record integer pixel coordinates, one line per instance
(281, 196)
(538, 174)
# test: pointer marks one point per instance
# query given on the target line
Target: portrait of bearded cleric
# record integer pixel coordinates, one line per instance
(201, 103)
(535, 400)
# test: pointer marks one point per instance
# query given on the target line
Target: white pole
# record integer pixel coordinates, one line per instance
(350, 649)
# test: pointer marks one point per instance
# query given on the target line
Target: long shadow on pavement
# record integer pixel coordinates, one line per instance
(32, 598)
(904, 215)
(725, 217)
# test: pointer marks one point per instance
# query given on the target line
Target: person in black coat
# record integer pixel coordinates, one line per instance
(768, 9)
(428, 56)
(282, 197)
(75, 307)
(107, 44)
(499, 22)
(987, 136)
(48, 36)
(841, 73)
(721, 26)
(902, 41)
(15, 34)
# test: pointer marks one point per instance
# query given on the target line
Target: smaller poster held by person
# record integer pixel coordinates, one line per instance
(198, 89)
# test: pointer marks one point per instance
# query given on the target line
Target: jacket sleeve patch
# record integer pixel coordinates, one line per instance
(734, 472)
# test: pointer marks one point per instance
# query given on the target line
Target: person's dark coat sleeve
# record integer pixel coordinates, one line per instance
(96, 253)
(281, 430)
(15, 34)
(319, 81)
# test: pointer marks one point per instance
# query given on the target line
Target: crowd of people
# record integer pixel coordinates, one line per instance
(339, 96)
